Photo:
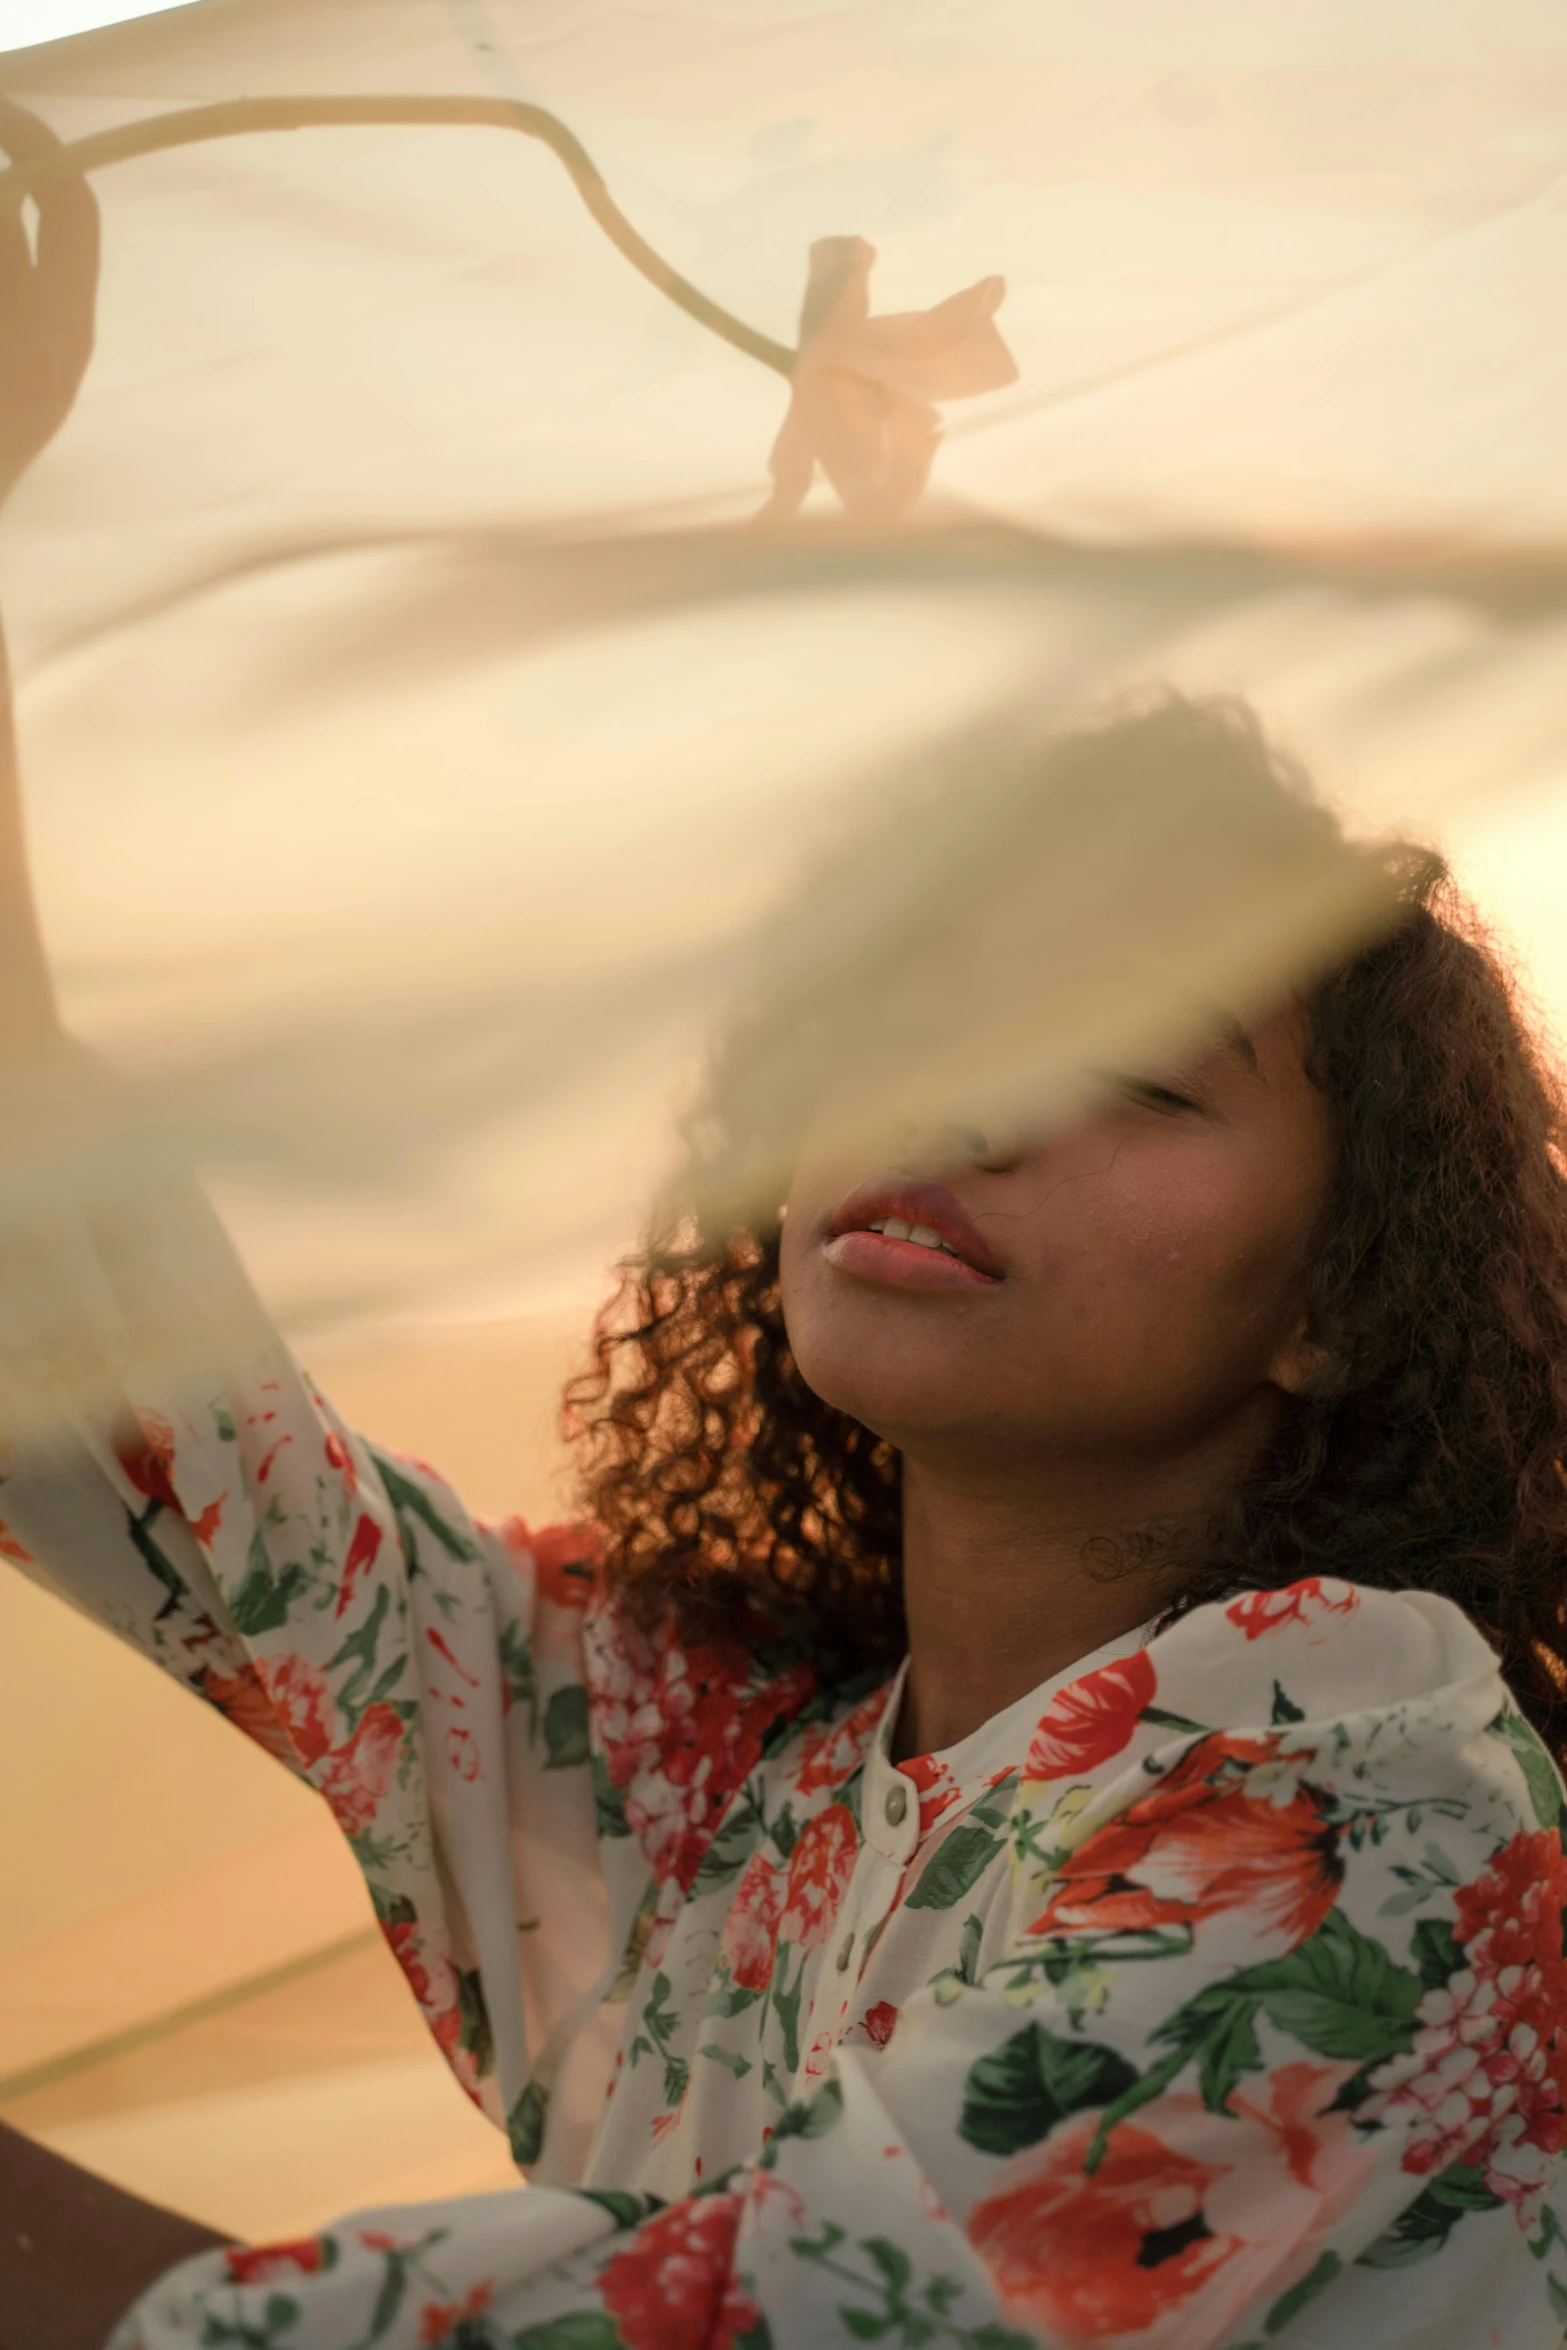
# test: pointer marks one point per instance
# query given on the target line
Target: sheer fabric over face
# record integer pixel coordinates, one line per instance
(546, 478)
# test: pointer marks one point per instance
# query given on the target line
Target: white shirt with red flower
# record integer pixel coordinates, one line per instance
(1213, 1995)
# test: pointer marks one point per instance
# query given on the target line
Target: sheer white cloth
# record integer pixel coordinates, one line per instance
(417, 721)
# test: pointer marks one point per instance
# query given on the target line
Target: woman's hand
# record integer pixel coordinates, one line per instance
(47, 299)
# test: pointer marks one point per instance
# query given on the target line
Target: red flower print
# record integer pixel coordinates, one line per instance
(1092, 1720)
(462, 1752)
(833, 1753)
(281, 1702)
(242, 1698)
(207, 1522)
(566, 1559)
(820, 1867)
(10, 1548)
(302, 1703)
(269, 1458)
(818, 2058)
(672, 2288)
(1085, 2258)
(339, 1457)
(361, 1556)
(1306, 1602)
(937, 1789)
(443, 1650)
(566, 1562)
(751, 1928)
(356, 1777)
(1486, 2080)
(1232, 1830)
(878, 2022)
(1122, 2253)
(438, 2319)
(437, 1994)
(144, 1449)
(679, 1730)
(263, 2264)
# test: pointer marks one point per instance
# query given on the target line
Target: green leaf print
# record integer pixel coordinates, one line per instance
(1290, 2304)
(1545, 1788)
(525, 2123)
(411, 1500)
(627, 2211)
(1552, 2235)
(1019, 2092)
(660, 2024)
(906, 2312)
(1435, 1952)
(566, 1729)
(262, 1602)
(783, 1833)
(388, 1681)
(474, 2034)
(394, 2288)
(738, 2065)
(1284, 1708)
(1338, 1994)
(361, 1650)
(1422, 2231)
(812, 2117)
(739, 1833)
(609, 1804)
(786, 2005)
(139, 1527)
(955, 1868)
(515, 1651)
(995, 1809)
(582, 2329)
(728, 1998)
(894, 2263)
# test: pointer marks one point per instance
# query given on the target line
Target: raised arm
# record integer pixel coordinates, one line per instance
(48, 292)
(51, 2296)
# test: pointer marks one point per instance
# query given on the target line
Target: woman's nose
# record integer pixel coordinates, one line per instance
(948, 1147)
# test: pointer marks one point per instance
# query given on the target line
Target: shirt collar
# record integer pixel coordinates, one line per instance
(903, 1802)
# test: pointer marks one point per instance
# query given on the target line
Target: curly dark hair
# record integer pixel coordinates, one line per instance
(1432, 1453)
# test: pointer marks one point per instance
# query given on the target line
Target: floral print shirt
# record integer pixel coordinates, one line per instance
(1213, 1995)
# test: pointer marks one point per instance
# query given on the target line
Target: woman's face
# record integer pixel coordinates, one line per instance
(1127, 1287)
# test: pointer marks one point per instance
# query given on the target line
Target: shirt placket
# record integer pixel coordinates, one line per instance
(889, 1823)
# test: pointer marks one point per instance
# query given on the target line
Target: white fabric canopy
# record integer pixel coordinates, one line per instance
(419, 726)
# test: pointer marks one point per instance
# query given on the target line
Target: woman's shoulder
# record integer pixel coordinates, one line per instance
(1324, 1648)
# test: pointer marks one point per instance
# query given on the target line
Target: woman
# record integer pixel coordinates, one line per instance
(1169, 1953)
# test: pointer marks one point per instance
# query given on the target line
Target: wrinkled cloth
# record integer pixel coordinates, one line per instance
(1213, 1994)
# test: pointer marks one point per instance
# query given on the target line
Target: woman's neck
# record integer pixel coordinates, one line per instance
(1001, 1587)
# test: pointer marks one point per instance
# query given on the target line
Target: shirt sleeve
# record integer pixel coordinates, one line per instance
(424, 1673)
(1279, 2028)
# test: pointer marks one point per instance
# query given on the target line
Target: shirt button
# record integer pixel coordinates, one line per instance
(845, 1953)
(897, 1804)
